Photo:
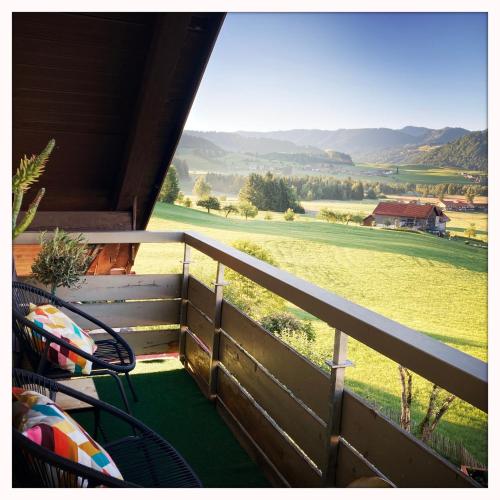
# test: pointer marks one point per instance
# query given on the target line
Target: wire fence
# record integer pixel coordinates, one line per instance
(454, 451)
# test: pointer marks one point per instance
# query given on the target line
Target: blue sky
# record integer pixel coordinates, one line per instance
(331, 70)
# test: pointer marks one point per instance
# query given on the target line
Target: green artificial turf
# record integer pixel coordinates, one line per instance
(172, 405)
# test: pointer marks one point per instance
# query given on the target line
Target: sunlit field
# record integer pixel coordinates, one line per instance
(432, 284)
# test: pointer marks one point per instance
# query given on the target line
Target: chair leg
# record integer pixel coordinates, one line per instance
(131, 386)
(127, 376)
(122, 391)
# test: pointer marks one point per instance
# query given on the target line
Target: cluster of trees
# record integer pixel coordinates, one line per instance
(325, 188)
(182, 168)
(226, 183)
(441, 190)
(269, 192)
(330, 215)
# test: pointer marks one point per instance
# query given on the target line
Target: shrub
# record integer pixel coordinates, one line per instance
(284, 323)
(289, 215)
(268, 216)
(245, 294)
(62, 260)
(187, 202)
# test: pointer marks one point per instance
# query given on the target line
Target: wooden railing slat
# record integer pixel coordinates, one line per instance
(200, 325)
(201, 296)
(294, 371)
(291, 464)
(401, 457)
(306, 430)
(123, 287)
(126, 314)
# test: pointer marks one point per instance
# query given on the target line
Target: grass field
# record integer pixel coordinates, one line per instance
(431, 284)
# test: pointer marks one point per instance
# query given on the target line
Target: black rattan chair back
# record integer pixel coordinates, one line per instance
(144, 458)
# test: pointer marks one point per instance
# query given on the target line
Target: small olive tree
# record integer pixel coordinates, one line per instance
(62, 260)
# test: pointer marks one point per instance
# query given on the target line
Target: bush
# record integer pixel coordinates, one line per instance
(289, 215)
(284, 323)
(246, 295)
(268, 216)
(187, 202)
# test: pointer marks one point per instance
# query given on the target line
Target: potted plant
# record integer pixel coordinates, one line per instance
(62, 260)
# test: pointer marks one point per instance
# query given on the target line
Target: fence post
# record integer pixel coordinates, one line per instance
(184, 303)
(337, 371)
(214, 355)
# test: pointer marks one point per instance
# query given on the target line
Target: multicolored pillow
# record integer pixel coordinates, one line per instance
(54, 321)
(44, 423)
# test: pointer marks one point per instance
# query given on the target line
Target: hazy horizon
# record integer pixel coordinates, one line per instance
(188, 129)
(330, 71)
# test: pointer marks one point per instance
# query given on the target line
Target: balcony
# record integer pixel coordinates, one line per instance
(299, 424)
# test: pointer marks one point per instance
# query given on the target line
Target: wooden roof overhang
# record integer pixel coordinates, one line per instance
(114, 90)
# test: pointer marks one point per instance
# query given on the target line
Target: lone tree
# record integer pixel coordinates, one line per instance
(470, 232)
(471, 194)
(230, 209)
(248, 210)
(202, 188)
(289, 215)
(439, 403)
(170, 189)
(210, 203)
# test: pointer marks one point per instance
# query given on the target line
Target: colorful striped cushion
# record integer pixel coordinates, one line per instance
(44, 423)
(54, 321)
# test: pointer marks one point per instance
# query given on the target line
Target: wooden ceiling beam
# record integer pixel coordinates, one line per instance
(160, 116)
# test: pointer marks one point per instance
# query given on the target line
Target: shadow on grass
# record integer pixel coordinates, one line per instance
(415, 245)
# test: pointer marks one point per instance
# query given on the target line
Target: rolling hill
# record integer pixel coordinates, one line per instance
(470, 151)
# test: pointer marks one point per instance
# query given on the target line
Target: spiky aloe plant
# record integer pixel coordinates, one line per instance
(29, 171)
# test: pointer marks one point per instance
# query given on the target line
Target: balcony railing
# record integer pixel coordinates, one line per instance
(300, 424)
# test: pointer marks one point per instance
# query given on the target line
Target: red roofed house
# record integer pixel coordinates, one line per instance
(409, 215)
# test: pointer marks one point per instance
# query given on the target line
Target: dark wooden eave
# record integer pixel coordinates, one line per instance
(114, 90)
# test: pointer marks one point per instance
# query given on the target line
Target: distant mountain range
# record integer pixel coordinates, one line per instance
(470, 151)
(449, 146)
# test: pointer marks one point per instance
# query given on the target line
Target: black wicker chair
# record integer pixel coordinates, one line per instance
(113, 354)
(144, 458)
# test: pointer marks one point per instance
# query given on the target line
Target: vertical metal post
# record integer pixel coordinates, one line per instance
(214, 356)
(337, 373)
(184, 302)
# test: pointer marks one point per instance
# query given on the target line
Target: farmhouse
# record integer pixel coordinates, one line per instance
(408, 215)
(456, 205)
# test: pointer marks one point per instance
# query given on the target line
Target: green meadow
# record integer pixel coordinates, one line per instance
(431, 284)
